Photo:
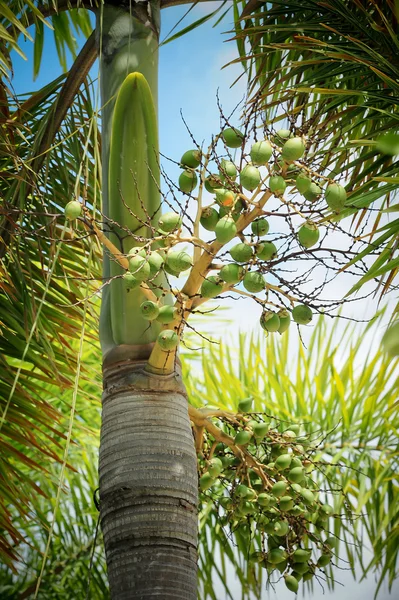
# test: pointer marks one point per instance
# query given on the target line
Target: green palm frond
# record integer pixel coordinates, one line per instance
(344, 395)
(331, 71)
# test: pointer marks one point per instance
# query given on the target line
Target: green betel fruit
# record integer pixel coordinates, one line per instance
(130, 281)
(245, 405)
(167, 314)
(286, 503)
(179, 260)
(168, 339)
(266, 251)
(261, 152)
(302, 314)
(281, 528)
(241, 252)
(171, 271)
(215, 466)
(307, 497)
(233, 138)
(191, 158)
(324, 560)
(156, 261)
(312, 193)
(301, 555)
(293, 149)
(269, 321)
(260, 227)
(211, 286)
(277, 555)
(227, 169)
(187, 181)
(212, 183)
(206, 481)
(308, 234)
(149, 310)
(169, 222)
(225, 197)
(390, 340)
(260, 429)
(232, 273)
(209, 218)
(303, 183)
(140, 268)
(242, 491)
(264, 499)
(331, 542)
(242, 438)
(250, 177)
(285, 320)
(296, 475)
(335, 196)
(254, 282)
(301, 567)
(326, 509)
(73, 210)
(283, 134)
(225, 229)
(277, 185)
(283, 461)
(279, 489)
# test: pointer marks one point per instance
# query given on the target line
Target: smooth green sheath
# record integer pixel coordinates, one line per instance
(128, 77)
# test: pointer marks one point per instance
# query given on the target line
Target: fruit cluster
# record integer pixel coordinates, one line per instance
(267, 484)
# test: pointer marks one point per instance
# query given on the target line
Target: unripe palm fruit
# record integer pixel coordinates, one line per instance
(225, 229)
(307, 497)
(308, 575)
(168, 339)
(187, 181)
(281, 528)
(226, 211)
(277, 185)
(331, 542)
(179, 260)
(286, 503)
(245, 405)
(324, 560)
(241, 252)
(303, 183)
(285, 320)
(155, 260)
(264, 499)
(250, 177)
(73, 210)
(283, 134)
(260, 227)
(296, 475)
(130, 281)
(211, 286)
(266, 251)
(261, 152)
(206, 481)
(149, 310)
(225, 197)
(212, 182)
(191, 158)
(140, 268)
(242, 438)
(301, 555)
(302, 314)
(254, 282)
(277, 555)
(283, 462)
(209, 218)
(308, 234)
(279, 489)
(390, 340)
(228, 169)
(169, 222)
(326, 509)
(170, 271)
(233, 138)
(232, 273)
(312, 193)
(215, 467)
(166, 314)
(301, 567)
(293, 149)
(335, 196)
(260, 429)
(241, 491)
(269, 321)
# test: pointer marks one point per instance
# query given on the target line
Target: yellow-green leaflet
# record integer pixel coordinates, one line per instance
(133, 184)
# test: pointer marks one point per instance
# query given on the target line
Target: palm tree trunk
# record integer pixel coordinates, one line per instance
(147, 464)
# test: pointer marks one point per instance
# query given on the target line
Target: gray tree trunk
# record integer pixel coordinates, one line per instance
(148, 485)
(147, 465)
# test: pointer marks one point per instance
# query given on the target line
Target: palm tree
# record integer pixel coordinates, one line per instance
(148, 466)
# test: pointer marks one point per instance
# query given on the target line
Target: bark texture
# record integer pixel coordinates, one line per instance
(148, 485)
